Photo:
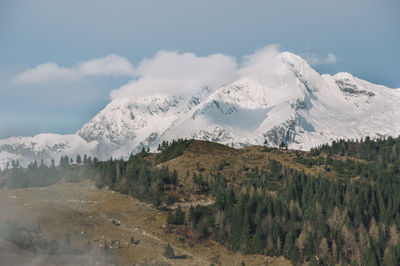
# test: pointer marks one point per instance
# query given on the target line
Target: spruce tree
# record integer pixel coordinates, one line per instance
(170, 218)
(78, 159)
(179, 216)
(169, 252)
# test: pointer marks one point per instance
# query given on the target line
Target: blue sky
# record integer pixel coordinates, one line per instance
(359, 36)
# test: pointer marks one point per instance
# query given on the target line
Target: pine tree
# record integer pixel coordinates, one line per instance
(174, 178)
(170, 218)
(245, 237)
(179, 216)
(282, 145)
(78, 159)
(169, 252)
(323, 249)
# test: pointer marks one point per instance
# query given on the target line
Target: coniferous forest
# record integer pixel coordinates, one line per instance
(351, 216)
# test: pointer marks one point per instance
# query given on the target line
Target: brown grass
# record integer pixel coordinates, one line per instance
(203, 157)
(88, 214)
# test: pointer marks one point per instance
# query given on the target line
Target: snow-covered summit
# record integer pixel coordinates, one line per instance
(290, 103)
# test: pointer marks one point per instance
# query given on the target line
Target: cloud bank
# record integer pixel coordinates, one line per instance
(111, 65)
(171, 72)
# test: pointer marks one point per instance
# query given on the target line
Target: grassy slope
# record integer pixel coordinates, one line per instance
(87, 212)
(209, 155)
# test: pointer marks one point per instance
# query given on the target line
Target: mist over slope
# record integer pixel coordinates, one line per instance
(271, 98)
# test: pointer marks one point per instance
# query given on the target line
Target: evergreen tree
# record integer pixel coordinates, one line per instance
(179, 216)
(170, 218)
(282, 145)
(78, 159)
(169, 252)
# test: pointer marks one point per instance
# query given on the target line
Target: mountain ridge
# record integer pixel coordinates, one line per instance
(293, 104)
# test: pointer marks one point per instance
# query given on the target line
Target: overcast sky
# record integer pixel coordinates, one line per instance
(60, 60)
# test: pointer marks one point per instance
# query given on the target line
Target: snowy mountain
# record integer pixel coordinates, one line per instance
(44, 146)
(294, 104)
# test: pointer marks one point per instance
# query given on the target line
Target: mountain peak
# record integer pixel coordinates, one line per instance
(289, 102)
(292, 58)
(343, 75)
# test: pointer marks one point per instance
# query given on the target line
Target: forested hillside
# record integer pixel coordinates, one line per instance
(338, 203)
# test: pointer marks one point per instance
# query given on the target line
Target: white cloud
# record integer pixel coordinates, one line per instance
(263, 64)
(314, 59)
(170, 73)
(111, 65)
(45, 73)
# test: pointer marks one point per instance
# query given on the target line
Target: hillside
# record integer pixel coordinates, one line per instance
(214, 157)
(88, 215)
(335, 204)
(99, 216)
